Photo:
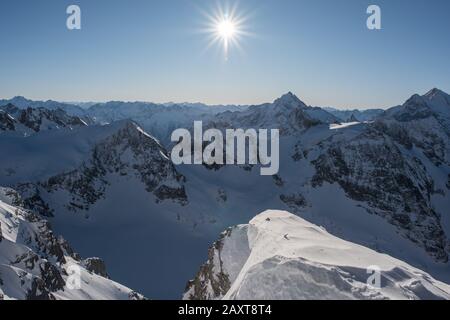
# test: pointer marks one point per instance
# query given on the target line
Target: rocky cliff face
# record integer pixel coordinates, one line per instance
(29, 120)
(36, 265)
(288, 114)
(129, 152)
(211, 281)
(6, 122)
(390, 181)
(216, 276)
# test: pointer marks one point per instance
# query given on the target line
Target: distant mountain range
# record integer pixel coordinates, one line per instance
(379, 179)
(355, 115)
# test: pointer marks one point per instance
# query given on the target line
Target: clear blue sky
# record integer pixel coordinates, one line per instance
(152, 50)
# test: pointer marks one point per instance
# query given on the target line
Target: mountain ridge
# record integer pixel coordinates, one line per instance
(382, 183)
(281, 256)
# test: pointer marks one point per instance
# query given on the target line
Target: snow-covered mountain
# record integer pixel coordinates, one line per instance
(121, 149)
(24, 103)
(288, 114)
(37, 265)
(281, 256)
(159, 119)
(31, 120)
(352, 115)
(127, 152)
(115, 178)
(432, 107)
(162, 120)
(383, 184)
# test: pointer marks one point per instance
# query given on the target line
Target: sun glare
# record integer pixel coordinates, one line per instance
(226, 28)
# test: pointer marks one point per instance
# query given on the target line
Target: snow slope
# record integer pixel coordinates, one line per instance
(384, 185)
(281, 256)
(36, 265)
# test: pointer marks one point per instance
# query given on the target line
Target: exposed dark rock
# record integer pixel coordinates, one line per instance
(169, 193)
(372, 169)
(51, 277)
(34, 118)
(28, 260)
(97, 266)
(298, 153)
(222, 195)
(208, 278)
(30, 198)
(6, 122)
(136, 296)
(294, 201)
(129, 152)
(38, 291)
(278, 181)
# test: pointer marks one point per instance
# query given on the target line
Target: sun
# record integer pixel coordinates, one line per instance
(226, 31)
(226, 28)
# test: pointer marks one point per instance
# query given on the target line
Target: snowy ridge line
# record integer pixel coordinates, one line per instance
(383, 184)
(309, 264)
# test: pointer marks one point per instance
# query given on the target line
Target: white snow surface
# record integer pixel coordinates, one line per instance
(343, 125)
(290, 258)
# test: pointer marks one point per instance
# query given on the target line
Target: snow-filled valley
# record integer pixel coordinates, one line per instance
(103, 178)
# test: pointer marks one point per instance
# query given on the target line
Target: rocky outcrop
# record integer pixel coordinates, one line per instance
(211, 281)
(288, 114)
(374, 169)
(294, 201)
(29, 196)
(43, 119)
(6, 122)
(33, 120)
(128, 152)
(97, 266)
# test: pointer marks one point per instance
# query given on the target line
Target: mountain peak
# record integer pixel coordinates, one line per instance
(435, 92)
(289, 99)
(438, 98)
(20, 98)
(415, 99)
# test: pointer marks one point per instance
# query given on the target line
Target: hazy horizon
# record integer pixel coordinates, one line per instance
(219, 105)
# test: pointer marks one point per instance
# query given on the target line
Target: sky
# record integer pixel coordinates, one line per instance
(159, 51)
